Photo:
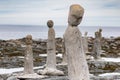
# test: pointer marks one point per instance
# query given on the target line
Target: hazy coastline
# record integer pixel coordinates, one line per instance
(40, 32)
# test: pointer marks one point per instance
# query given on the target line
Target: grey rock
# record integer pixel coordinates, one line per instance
(96, 67)
(12, 78)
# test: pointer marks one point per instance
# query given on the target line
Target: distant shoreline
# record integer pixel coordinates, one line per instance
(37, 39)
(39, 31)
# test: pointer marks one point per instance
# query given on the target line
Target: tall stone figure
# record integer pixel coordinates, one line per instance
(51, 55)
(51, 59)
(77, 64)
(85, 42)
(97, 46)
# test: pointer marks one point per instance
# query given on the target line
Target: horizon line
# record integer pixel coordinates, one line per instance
(54, 25)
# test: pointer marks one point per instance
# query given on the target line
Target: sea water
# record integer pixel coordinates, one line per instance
(40, 32)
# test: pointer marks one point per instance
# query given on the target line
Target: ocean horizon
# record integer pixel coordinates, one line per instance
(40, 32)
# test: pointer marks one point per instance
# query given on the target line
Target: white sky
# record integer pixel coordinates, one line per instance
(37, 12)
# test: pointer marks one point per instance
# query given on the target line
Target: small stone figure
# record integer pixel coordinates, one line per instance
(77, 64)
(28, 65)
(28, 61)
(100, 37)
(97, 46)
(100, 33)
(85, 42)
(51, 55)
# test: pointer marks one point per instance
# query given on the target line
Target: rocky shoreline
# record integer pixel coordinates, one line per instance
(12, 56)
(110, 46)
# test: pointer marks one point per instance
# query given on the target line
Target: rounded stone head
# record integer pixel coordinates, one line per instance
(100, 30)
(50, 23)
(75, 15)
(29, 39)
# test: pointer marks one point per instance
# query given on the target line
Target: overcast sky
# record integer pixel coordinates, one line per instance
(37, 12)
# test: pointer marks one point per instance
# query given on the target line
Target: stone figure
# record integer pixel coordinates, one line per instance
(51, 55)
(100, 33)
(51, 59)
(28, 62)
(100, 37)
(97, 46)
(28, 65)
(85, 42)
(77, 64)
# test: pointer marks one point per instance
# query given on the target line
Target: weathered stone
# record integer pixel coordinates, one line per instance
(97, 46)
(50, 24)
(85, 42)
(100, 37)
(100, 66)
(100, 33)
(28, 66)
(77, 64)
(31, 77)
(64, 55)
(51, 53)
(28, 63)
(12, 78)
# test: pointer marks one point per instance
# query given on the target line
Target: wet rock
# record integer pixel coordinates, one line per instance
(97, 67)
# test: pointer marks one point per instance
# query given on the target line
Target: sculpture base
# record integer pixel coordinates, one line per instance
(50, 71)
(30, 76)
